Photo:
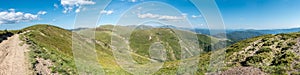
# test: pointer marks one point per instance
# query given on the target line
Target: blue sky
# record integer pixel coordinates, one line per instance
(237, 14)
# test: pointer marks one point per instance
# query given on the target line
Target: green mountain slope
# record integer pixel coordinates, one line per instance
(140, 42)
(50, 43)
(273, 54)
(55, 44)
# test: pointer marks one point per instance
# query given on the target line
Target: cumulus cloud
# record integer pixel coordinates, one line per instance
(148, 15)
(42, 12)
(69, 5)
(12, 17)
(55, 5)
(133, 0)
(196, 16)
(77, 10)
(11, 9)
(160, 17)
(107, 12)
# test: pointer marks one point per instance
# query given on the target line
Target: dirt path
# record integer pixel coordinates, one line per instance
(12, 57)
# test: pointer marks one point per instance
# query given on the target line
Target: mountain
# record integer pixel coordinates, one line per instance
(272, 54)
(54, 50)
(277, 31)
(238, 35)
(241, 35)
(275, 54)
(50, 46)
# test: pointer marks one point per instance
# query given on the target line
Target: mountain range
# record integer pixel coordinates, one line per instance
(52, 50)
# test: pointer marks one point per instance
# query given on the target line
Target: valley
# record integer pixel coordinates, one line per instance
(46, 49)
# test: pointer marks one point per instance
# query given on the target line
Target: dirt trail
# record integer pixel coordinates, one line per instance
(12, 57)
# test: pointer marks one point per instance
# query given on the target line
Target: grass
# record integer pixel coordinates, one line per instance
(272, 53)
(49, 42)
(140, 43)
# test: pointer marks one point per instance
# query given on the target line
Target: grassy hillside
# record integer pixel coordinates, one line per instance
(50, 43)
(239, 35)
(242, 35)
(273, 54)
(140, 42)
(141, 39)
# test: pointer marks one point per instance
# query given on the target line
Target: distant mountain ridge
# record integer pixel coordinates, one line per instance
(242, 35)
(234, 35)
(253, 49)
(277, 31)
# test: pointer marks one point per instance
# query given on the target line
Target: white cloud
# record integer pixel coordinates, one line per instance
(42, 12)
(77, 10)
(12, 17)
(132, 0)
(69, 5)
(107, 12)
(148, 15)
(76, 2)
(160, 17)
(196, 16)
(11, 9)
(55, 5)
(166, 17)
(184, 15)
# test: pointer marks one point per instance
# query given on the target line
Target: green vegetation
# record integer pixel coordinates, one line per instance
(263, 50)
(53, 43)
(140, 42)
(241, 35)
(7, 33)
(273, 54)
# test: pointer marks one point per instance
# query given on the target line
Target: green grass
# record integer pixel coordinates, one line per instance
(55, 43)
(49, 42)
(140, 43)
(274, 55)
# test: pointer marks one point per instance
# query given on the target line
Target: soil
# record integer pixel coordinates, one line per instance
(13, 59)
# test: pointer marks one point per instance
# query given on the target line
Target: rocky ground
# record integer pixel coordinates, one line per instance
(13, 59)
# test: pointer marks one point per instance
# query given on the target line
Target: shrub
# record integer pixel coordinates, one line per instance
(275, 70)
(264, 49)
(267, 43)
(291, 44)
(264, 39)
(285, 48)
(253, 60)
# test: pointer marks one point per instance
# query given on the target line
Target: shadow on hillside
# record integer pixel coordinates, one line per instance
(5, 36)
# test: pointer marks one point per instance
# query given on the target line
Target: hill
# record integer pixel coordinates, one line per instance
(13, 57)
(50, 49)
(241, 35)
(53, 50)
(273, 54)
(140, 41)
(236, 35)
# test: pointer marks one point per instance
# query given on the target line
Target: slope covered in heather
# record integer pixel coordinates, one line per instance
(273, 54)
(51, 48)
(51, 51)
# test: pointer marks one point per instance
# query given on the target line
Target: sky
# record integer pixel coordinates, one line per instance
(236, 14)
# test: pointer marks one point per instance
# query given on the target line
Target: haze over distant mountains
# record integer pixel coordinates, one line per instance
(247, 51)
